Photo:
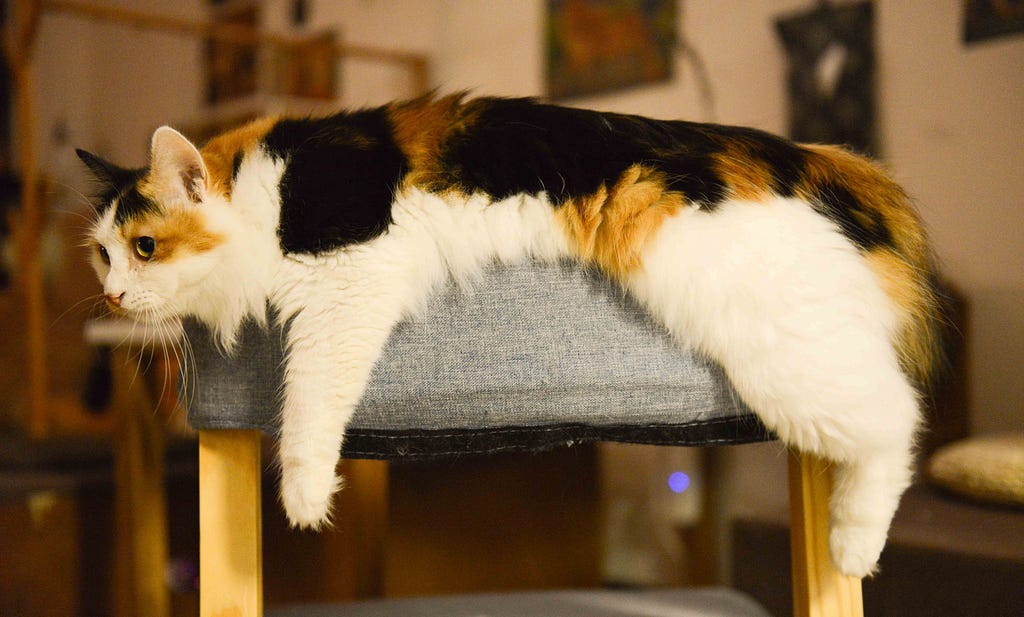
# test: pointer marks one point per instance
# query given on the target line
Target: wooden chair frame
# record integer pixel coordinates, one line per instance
(231, 550)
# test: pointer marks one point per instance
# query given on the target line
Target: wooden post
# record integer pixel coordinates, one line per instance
(141, 501)
(230, 524)
(18, 41)
(369, 485)
(819, 590)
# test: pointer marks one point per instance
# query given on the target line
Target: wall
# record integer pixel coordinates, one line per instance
(112, 85)
(953, 135)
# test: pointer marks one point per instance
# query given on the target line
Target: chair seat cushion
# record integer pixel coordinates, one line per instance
(529, 357)
(598, 603)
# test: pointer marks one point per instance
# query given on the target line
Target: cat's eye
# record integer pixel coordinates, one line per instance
(145, 246)
(104, 255)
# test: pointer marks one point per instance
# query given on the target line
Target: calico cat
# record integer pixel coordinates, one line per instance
(802, 269)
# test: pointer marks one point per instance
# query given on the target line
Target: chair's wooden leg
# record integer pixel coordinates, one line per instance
(819, 590)
(369, 488)
(230, 524)
(141, 502)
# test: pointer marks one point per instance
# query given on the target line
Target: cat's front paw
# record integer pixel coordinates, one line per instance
(306, 492)
(855, 549)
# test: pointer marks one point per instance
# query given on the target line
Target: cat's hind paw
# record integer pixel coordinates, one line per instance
(855, 549)
(306, 493)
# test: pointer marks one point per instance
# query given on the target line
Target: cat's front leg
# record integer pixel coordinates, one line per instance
(332, 344)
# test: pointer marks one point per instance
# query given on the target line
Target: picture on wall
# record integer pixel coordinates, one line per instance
(598, 46)
(830, 75)
(986, 19)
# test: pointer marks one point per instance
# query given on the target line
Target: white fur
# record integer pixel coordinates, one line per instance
(343, 306)
(776, 295)
(770, 290)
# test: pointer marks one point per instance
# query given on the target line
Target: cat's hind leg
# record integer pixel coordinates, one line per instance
(865, 495)
(791, 310)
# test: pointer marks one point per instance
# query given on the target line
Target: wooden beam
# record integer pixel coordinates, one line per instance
(230, 524)
(819, 590)
(224, 32)
(18, 43)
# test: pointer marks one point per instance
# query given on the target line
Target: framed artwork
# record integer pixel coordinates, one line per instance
(598, 46)
(986, 19)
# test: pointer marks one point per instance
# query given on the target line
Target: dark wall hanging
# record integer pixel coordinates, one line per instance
(986, 19)
(831, 75)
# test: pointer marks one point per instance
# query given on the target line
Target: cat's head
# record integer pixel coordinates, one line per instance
(152, 245)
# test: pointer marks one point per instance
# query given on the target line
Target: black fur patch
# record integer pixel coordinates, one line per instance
(517, 146)
(520, 146)
(340, 179)
(113, 182)
(864, 227)
(131, 204)
(783, 157)
(236, 164)
(343, 170)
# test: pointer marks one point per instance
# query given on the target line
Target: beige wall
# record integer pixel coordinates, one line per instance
(953, 132)
(113, 85)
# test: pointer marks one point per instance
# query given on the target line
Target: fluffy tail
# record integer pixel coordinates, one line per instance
(903, 262)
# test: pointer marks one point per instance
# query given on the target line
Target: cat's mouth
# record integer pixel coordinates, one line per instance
(142, 315)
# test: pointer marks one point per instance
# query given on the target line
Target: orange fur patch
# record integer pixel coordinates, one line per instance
(917, 307)
(219, 153)
(178, 232)
(874, 190)
(420, 127)
(904, 270)
(611, 227)
(747, 177)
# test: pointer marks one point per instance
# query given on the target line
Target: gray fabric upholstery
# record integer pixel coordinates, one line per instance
(529, 357)
(661, 603)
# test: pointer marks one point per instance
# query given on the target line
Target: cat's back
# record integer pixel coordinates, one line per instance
(343, 172)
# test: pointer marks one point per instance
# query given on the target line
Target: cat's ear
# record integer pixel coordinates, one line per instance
(108, 174)
(177, 166)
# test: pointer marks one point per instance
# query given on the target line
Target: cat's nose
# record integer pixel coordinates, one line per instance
(115, 300)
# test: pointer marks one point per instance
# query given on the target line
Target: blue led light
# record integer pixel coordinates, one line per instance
(678, 482)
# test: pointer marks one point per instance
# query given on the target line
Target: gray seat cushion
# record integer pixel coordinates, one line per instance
(531, 357)
(660, 603)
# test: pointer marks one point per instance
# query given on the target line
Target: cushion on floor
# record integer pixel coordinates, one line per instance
(989, 468)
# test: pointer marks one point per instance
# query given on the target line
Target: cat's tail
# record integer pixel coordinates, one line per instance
(902, 261)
